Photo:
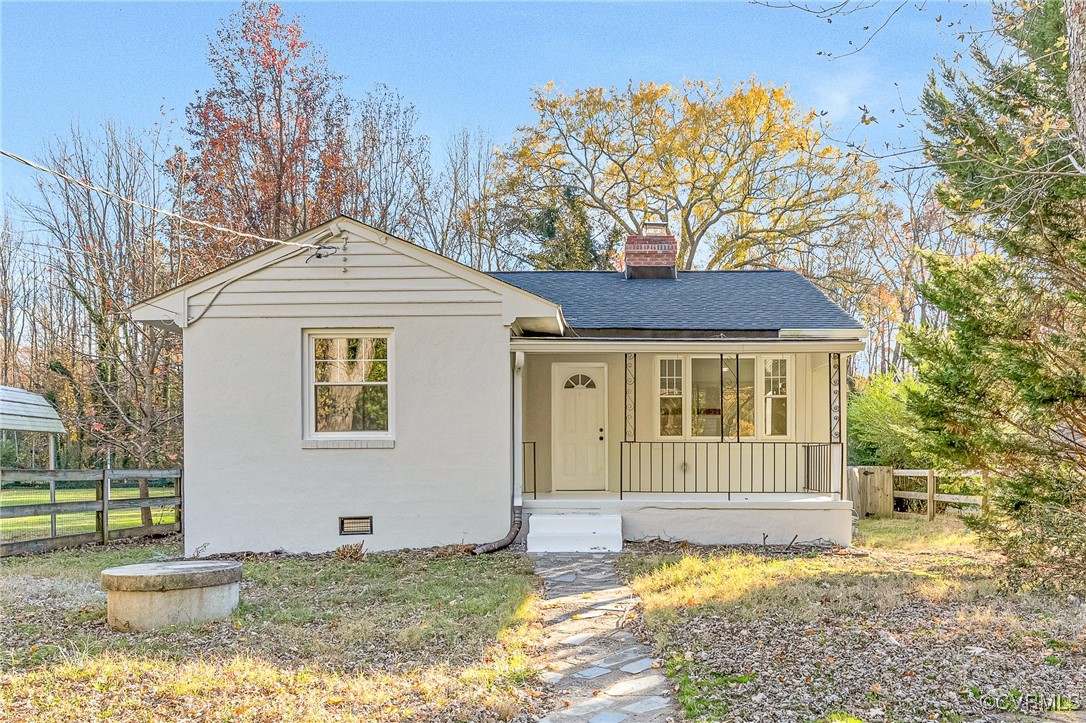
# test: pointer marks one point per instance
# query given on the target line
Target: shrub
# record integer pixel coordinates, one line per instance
(881, 429)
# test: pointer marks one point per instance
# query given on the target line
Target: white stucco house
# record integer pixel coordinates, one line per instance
(376, 391)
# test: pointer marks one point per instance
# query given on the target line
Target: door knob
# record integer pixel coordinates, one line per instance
(601, 437)
(601, 430)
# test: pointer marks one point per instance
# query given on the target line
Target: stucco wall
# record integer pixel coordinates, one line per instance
(739, 525)
(714, 520)
(250, 484)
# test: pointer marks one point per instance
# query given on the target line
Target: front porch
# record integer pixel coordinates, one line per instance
(685, 441)
(711, 519)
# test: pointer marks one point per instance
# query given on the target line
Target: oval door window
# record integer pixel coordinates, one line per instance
(580, 381)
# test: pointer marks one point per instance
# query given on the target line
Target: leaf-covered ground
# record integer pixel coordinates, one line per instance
(433, 635)
(915, 624)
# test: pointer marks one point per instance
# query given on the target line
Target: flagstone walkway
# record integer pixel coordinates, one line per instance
(599, 671)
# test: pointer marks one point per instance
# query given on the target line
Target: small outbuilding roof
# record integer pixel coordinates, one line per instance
(25, 411)
(770, 300)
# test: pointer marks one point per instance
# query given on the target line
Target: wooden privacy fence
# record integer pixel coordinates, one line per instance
(42, 510)
(875, 491)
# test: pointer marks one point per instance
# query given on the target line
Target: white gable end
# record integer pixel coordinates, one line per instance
(362, 272)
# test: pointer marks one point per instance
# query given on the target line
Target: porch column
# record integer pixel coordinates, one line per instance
(518, 428)
(837, 458)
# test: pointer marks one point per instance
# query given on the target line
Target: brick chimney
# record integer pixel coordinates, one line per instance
(653, 254)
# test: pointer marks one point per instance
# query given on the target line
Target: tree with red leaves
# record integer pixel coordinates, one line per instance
(265, 136)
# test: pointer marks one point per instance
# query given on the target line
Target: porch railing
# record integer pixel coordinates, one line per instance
(726, 467)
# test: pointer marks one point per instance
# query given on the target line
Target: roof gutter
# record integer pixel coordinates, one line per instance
(824, 333)
(726, 346)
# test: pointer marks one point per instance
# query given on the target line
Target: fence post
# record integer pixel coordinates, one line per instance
(177, 493)
(931, 495)
(105, 507)
(53, 501)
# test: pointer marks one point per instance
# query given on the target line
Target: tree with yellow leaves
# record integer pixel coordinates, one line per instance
(740, 173)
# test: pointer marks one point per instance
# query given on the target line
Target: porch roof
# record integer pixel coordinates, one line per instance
(721, 301)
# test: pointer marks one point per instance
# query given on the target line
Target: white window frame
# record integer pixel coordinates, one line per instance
(760, 428)
(309, 393)
(685, 397)
(789, 396)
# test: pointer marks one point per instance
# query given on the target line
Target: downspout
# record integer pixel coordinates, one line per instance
(514, 530)
(515, 501)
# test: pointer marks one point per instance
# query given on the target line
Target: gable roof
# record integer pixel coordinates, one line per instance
(170, 309)
(768, 300)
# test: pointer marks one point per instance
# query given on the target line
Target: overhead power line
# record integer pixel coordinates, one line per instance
(317, 247)
(132, 202)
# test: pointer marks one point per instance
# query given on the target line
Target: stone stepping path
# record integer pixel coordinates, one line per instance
(599, 672)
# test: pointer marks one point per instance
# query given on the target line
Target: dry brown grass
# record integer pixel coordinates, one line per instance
(433, 635)
(943, 535)
(917, 621)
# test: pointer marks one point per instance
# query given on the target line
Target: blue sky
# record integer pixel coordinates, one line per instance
(462, 64)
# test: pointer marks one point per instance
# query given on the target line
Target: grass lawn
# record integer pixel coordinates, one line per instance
(32, 528)
(916, 623)
(438, 635)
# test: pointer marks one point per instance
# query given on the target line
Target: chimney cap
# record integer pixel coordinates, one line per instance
(654, 228)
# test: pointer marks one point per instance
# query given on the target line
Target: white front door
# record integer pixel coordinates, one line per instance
(579, 427)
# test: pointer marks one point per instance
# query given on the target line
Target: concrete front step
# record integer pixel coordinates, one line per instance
(574, 533)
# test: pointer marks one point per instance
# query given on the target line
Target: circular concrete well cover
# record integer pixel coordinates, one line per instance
(175, 575)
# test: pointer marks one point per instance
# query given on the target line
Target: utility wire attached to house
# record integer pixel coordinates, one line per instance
(132, 202)
(320, 250)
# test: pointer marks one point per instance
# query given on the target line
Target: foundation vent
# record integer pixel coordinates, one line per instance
(356, 525)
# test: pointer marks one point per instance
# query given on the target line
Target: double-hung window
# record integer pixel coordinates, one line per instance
(671, 397)
(349, 392)
(775, 395)
(717, 397)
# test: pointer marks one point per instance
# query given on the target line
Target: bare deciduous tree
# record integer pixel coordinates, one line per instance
(118, 382)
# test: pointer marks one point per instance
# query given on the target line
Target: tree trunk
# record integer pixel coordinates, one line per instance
(1075, 13)
(145, 512)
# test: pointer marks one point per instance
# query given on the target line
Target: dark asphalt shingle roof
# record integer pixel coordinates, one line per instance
(697, 300)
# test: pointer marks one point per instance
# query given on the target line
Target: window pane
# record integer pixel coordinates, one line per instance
(372, 409)
(705, 397)
(739, 410)
(776, 415)
(671, 377)
(776, 376)
(351, 371)
(671, 416)
(350, 349)
(351, 408)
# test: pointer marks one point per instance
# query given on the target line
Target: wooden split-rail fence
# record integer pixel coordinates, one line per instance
(43, 510)
(875, 491)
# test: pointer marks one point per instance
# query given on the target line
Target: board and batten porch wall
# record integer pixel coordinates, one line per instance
(251, 480)
(811, 400)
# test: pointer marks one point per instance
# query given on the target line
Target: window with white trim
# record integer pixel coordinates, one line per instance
(349, 392)
(714, 397)
(671, 397)
(775, 394)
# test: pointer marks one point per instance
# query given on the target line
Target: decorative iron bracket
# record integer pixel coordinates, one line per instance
(835, 397)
